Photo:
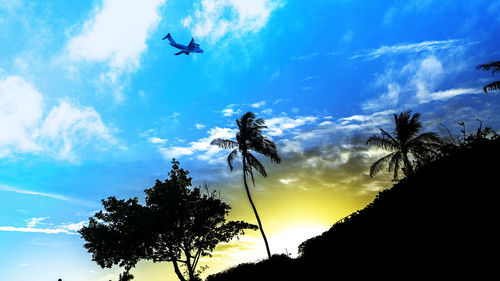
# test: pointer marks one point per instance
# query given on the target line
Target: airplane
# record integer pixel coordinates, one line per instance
(191, 48)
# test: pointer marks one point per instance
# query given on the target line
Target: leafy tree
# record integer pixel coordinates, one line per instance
(494, 67)
(483, 137)
(177, 224)
(405, 142)
(250, 138)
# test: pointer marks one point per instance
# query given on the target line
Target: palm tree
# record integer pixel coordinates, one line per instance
(404, 142)
(249, 138)
(494, 67)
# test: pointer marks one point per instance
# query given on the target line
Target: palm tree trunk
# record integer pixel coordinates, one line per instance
(253, 207)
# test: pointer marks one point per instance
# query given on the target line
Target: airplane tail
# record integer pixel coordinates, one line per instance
(169, 38)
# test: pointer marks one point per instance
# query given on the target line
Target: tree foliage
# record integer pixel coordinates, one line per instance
(493, 67)
(250, 138)
(405, 142)
(177, 224)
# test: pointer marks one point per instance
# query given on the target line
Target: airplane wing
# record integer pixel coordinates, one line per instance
(179, 53)
(191, 44)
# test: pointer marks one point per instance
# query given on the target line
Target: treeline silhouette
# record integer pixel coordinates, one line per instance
(441, 222)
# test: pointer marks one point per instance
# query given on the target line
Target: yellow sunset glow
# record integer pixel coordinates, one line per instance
(290, 213)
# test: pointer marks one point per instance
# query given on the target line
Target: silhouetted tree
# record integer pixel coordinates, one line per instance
(494, 67)
(404, 142)
(177, 224)
(125, 276)
(250, 138)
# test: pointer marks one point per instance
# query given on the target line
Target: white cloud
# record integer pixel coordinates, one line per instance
(278, 125)
(365, 122)
(309, 78)
(447, 94)
(116, 33)
(73, 227)
(203, 148)
(32, 222)
(113, 38)
(21, 108)
(287, 181)
(427, 46)
(419, 81)
(213, 19)
(36, 230)
(230, 112)
(266, 111)
(66, 228)
(21, 191)
(346, 126)
(281, 101)
(428, 74)
(258, 104)
(175, 152)
(200, 126)
(25, 129)
(388, 99)
(67, 126)
(157, 140)
(30, 192)
(292, 145)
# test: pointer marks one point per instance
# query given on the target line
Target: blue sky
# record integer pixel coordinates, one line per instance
(93, 103)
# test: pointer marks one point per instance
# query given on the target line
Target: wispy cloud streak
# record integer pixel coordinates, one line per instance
(30, 192)
(408, 48)
(48, 195)
(65, 228)
(36, 230)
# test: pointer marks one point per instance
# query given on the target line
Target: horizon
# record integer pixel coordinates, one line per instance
(96, 104)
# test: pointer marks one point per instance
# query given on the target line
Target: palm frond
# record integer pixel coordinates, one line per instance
(223, 143)
(388, 136)
(382, 142)
(377, 166)
(247, 167)
(407, 125)
(247, 119)
(249, 138)
(255, 163)
(266, 147)
(492, 86)
(424, 139)
(414, 125)
(395, 164)
(396, 158)
(424, 145)
(259, 122)
(493, 66)
(231, 157)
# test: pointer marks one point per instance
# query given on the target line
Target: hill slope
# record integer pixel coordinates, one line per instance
(443, 222)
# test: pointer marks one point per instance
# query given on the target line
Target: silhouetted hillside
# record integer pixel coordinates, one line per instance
(441, 223)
